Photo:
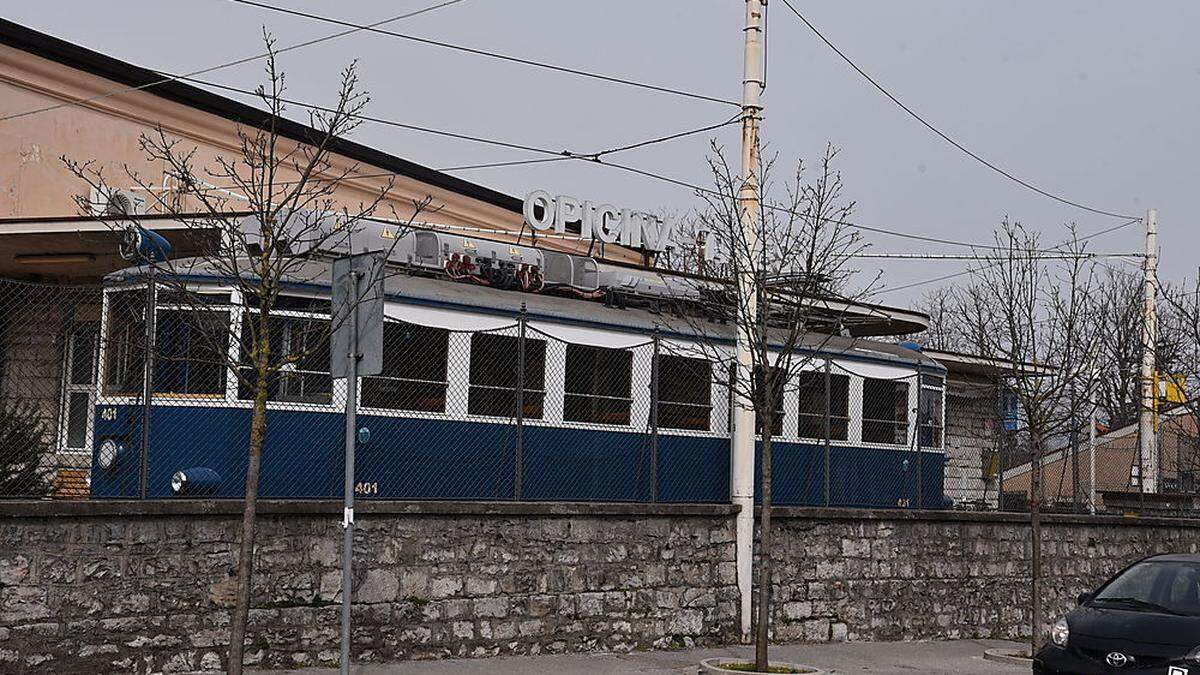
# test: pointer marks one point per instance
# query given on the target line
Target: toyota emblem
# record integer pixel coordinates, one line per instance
(1117, 659)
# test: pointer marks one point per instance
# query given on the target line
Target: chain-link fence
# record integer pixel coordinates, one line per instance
(102, 398)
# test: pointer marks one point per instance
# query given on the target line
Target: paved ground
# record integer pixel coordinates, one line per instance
(963, 657)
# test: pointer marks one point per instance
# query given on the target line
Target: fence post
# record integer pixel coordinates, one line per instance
(828, 428)
(1001, 444)
(519, 449)
(654, 419)
(148, 379)
(916, 441)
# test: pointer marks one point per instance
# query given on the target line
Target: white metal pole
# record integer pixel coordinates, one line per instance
(1148, 450)
(742, 462)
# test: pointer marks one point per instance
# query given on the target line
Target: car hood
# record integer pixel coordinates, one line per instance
(1135, 627)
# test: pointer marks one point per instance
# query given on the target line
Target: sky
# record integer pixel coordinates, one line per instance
(1095, 100)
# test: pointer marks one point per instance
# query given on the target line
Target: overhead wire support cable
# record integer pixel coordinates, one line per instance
(494, 55)
(227, 64)
(912, 113)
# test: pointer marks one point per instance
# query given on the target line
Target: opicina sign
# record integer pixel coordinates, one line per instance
(603, 222)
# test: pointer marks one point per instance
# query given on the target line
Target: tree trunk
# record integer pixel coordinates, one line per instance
(1035, 533)
(764, 551)
(245, 569)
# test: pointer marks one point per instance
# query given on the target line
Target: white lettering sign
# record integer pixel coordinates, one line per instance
(603, 222)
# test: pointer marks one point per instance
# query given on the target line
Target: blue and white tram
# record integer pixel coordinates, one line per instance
(440, 416)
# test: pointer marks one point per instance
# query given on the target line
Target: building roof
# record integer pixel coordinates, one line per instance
(74, 56)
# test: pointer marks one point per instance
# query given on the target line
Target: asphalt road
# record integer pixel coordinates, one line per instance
(962, 657)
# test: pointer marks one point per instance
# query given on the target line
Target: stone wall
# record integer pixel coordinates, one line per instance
(139, 588)
(906, 576)
(148, 587)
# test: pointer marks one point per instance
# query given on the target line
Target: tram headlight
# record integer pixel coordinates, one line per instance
(196, 481)
(108, 454)
(178, 482)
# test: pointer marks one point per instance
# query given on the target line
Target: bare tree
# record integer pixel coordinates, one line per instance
(800, 265)
(1179, 327)
(1031, 309)
(265, 213)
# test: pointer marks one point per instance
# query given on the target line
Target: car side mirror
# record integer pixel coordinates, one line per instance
(1083, 598)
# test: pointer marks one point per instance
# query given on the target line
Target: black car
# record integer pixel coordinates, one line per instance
(1146, 619)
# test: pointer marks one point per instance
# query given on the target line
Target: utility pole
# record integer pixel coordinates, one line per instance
(742, 461)
(1147, 438)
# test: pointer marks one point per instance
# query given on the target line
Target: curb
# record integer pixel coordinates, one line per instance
(1001, 656)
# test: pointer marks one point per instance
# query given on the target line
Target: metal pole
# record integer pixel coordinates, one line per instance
(1092, 446)
(148, 378)
(1147, 445)
(1001, 442)
(654, 419)
(348, 488)
(744, 252)
(828, 430)
(519, 442)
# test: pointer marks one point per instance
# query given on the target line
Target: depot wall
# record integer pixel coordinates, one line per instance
(138, 588)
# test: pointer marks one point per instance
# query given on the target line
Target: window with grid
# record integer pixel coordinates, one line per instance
(125, 343)
(414, 370)
(493, 376)
(305, 343)
(885, 411)
(684, 392)
(812, 405)
(597, 385)
(929, 411)
(191, 351)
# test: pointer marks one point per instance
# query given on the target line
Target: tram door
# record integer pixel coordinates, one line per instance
(78, 410)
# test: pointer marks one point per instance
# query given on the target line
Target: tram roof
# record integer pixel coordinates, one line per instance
(315, 277)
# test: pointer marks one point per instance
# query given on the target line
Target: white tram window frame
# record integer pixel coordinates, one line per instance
(932, 383)
(576, 356)
(817, 369)
(337, 394)
(228, 309)
(405, 378)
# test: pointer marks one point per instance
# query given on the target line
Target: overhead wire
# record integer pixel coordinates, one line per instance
(227, 64)
(494, 55)
(944, 136)
(971, 270)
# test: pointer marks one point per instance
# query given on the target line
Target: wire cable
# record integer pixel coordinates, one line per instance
(943, 135)
(494, 55)
(971, 270)
(228, 64)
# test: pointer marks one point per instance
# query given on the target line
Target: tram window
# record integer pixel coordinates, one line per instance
(930, 411)
(812, 405)
(493, 376)
(684, 392)
(125, 344)
(306, 378)
(597, 385)
(414, 370)
(776, 398)
(885, 411)
(191, 349)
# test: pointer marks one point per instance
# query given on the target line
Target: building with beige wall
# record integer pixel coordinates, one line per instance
(61, 99)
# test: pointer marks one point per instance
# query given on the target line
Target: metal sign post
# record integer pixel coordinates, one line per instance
(356, 348)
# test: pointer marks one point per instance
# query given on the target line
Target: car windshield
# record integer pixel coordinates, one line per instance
(1155, 586)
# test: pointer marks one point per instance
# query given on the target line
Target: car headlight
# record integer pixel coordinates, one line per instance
(1194, 655)
(108, 454)
(1060, 633)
